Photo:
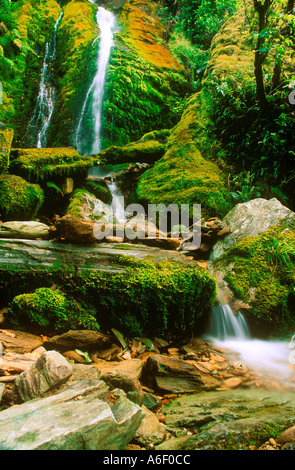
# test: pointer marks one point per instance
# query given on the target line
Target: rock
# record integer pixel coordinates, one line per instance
(249, 219)
(114, 239)
(130, 384)
(2, 389)
(165, 243)
(19, 341)
(231, 382)
(228, 419)
(30, 230)
(14, 363)
(75, 230)
(151, 432)
(130, 367)
(139, 228)
(172, 375)
(151, 401)
(82, 371)
(48, 372)
(85, 340)
(286, 436)
(77, 418)
(67, 186)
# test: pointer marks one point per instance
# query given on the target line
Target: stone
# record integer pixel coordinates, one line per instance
(130, 367)
(48, 372)
(226, 419)
(77, 418)
(286, 436)
(2, 389)
(15, 363)
(172, 375)
(164, 243)
(19, 341)
(83, 371)
(151, 401)
(151, 432)
(75, 230)
(67, 186)
(130, 384)
(85, 340)
(249, 219)
(24, 230)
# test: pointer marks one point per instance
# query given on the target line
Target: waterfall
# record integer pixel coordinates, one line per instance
(40, 122)
(231, 332)
(107, 26)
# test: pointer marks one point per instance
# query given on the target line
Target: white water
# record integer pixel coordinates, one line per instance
(107, 26)
(117, 204)
(47, 93)
(268, 358)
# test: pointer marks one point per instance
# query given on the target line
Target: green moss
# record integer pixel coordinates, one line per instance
(23, 48)
(49, 164)
(183, 176)
(19, 200)
(144, 151)
(145, 297)
(263, 275)
(100, 190)
(6, 136)
(49, 308)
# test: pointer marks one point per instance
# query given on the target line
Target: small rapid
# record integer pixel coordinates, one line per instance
(230, 331)
(94, 97)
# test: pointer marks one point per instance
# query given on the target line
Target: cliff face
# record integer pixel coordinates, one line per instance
(145, 85)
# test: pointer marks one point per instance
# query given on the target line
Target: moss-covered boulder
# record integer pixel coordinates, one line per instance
(50, 309)
(260, 271)
(99, 189)
(19, 200)
(50, 164)
(6, 136)
(183, 175)
(143, 151)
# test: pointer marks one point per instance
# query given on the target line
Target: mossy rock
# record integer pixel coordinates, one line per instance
(183, 175)
(100, 190)
(51, 164)
(260, 271)
(143, 151)
(6, 137)
(50, 309)
(19, 200)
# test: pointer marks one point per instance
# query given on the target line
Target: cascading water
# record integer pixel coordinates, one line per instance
(38, 126)
(94, 97)
(231, 333)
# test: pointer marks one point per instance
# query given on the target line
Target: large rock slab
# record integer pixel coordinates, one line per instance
(24, 230)
(85, 340)
(172, 375)
(231, 419)
(78, 418)
(249, 219)
(49, 371)
(19, 341)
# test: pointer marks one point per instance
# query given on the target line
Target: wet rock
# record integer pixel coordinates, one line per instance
(25, 230)
(77, 418)
(48, 372)
(19, 341)
(172, 375)
(75, 230)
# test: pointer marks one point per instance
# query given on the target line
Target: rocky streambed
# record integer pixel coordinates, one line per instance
(84, 390)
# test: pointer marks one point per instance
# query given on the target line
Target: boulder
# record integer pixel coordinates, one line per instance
(19, 341)
(24, 230)
(172, 375)
(75, 230)
(249, 219)
(130, 384)
(77, 418)
(48, 372)
(151, 432)
(85, 340)
(2, 389)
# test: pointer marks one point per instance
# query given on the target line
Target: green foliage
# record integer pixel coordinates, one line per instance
(50, 309)
(247, 190)
(19, 200)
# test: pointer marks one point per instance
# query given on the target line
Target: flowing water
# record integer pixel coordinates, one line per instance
(108, 176)
(94, 97)
(230, 332)
(38, 126)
